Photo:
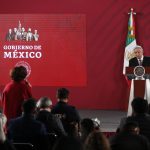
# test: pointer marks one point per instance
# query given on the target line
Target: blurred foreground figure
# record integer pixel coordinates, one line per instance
(4, 143)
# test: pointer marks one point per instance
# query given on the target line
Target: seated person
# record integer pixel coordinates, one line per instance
(25, 129)
(68, 114)
(87, 126)
(139, 115)
(129, 138)
(52, 123)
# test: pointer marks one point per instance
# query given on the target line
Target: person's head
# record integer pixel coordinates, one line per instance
(44, 103)
(87, 125)
(139, 105)
(15, 30)
(10, 31)
(96, 141)
(29, 29)
(23, 29)
(29, 106)
(35, 31)
(18, 73)
(62, 94)
(138, 51)
(131, 127)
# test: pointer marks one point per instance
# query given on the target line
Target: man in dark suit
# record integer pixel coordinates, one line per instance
(139, 59)
(26, 129)
(52, 123)
(67, 113)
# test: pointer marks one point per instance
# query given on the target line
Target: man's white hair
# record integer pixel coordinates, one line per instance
(138, 47)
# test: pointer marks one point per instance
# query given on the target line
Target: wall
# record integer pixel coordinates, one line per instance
(106, 34)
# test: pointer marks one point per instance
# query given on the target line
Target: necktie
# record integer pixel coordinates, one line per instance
(140, 62)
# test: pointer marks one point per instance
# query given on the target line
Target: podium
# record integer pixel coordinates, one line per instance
(139, 88)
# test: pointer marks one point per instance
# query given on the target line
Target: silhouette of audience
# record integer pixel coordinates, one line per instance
(129, 138)
(140, 115)
(60, 127)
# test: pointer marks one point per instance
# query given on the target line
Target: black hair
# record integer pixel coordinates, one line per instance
(130, 126)
(18, 73)
(29, 106)
(88, 125)
(62, 93)
(139, 105)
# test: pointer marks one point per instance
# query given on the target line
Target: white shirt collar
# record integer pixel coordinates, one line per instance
(141, 58)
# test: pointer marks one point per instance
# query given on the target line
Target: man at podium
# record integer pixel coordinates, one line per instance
(139, 59)
(140, 86)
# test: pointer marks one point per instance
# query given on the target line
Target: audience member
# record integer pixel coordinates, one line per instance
(68, 114)
(129, 139)
(96, 141)
(140, 115)
(87, 126)
(15, 93)
(26, 129)
(52, 123)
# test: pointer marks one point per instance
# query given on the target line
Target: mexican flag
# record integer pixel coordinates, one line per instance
(130, 41)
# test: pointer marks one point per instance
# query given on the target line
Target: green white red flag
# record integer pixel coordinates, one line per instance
(130, 41)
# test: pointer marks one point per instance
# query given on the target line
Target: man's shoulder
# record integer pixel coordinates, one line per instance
(147, 57)
(15, 121)
(132, 59)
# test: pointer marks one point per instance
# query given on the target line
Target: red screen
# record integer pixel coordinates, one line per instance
(54, 54)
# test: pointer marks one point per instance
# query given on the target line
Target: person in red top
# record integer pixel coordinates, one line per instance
(15, 92)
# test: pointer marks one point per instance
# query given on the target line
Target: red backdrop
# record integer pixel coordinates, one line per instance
(59, 54)
(106, 29)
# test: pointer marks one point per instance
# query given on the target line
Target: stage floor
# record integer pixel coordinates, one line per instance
(109, 119)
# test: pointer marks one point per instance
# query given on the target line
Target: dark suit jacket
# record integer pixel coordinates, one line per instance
(52, 123)
(67, 114)
(134, 62)
(26, 129)
(143, 121)
(129, 141)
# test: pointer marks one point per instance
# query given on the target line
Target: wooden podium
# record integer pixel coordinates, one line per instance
(139, 85)
(139, 88)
